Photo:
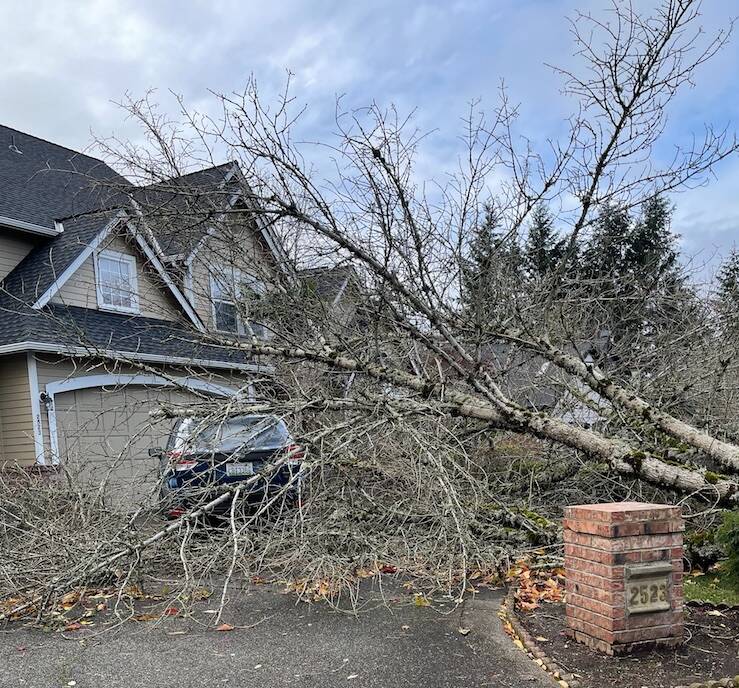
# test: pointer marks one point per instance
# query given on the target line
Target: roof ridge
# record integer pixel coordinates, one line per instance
(53, 143)
(188, 174)
(94, 211)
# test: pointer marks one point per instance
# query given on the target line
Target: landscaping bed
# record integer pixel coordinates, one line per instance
(711, 651)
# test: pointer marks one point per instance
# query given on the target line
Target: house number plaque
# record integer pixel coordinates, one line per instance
(648, 588)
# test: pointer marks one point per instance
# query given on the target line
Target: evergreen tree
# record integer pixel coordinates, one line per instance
(633, 273)
(492, 266)
(604, 256)
(728, 294)
(543, 250)
(650, 252)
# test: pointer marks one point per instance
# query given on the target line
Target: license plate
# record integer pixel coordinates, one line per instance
(233, 469)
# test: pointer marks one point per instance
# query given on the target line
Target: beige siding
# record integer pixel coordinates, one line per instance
(14, 248)
(238, 246)
(15, 411)
(154, 301)
(54, 368)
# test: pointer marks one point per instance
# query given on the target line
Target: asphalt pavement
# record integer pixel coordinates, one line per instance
(279, 642)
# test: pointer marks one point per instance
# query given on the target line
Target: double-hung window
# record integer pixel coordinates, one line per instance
(117, 287)
(234, 294)
(223, 294)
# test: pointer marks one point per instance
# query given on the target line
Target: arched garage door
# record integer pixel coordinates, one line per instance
(104, 434)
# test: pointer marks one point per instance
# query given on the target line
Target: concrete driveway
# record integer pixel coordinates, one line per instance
(283, 644)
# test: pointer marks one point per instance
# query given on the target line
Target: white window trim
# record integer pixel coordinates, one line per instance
(242, 327)
(126, 258)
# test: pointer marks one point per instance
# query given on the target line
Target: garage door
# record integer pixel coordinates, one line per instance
(104, 434)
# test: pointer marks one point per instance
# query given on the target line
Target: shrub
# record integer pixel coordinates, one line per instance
(728, 536)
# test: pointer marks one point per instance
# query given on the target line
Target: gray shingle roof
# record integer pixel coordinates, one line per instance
(180, 211)
(41, 182)
(41, 267)
(521, 374)
(101, 331)
(327, 282)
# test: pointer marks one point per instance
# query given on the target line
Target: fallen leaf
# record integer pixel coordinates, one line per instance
(225, 627)
(146, 617)
(171, 611)
(463, 631)
(69, 600)
(74, 626)
(421, 601)
(715, 612)
(388, 568)
(542, 639)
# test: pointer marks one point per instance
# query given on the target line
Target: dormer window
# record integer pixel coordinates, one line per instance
(223, 296)
(230, 287)
(117, 287)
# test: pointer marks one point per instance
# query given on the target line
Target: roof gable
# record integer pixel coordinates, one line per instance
(44, 271)
(181, 211)
(53, 262)
(52, 190)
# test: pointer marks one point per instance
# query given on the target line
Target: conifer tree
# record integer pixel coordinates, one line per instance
(728, 294)
(543, 249)
(650, 251)
(493, 264)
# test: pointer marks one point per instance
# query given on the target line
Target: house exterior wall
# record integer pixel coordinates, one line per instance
(154, 302)
(52, 368)
(14, 247)
(239, 245)
(16, 414)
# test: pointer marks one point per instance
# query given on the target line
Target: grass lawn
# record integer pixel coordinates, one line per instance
(710, 588)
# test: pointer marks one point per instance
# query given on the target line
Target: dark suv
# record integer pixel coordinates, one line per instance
(202, 457)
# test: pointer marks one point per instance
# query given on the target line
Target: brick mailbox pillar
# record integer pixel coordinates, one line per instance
(624, 571)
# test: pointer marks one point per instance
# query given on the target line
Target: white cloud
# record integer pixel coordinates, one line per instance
(62, 63)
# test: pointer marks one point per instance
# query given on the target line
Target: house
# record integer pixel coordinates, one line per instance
(337, 291)
(110, 295)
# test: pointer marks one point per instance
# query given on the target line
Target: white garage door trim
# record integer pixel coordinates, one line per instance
(110, 380)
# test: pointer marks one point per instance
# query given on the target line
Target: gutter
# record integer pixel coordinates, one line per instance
(81, 351)
(30, 227)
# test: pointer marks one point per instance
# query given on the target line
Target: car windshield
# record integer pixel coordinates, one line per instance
(231, 434)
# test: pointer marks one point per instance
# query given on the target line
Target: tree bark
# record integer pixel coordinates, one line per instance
(617, 453)
(725, 453)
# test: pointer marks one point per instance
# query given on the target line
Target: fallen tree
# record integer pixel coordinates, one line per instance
(410, 247)
(407, 467)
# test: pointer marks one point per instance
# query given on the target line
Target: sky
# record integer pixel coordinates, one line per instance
(64, 65)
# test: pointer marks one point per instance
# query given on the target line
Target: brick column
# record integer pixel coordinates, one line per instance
(624, 570)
